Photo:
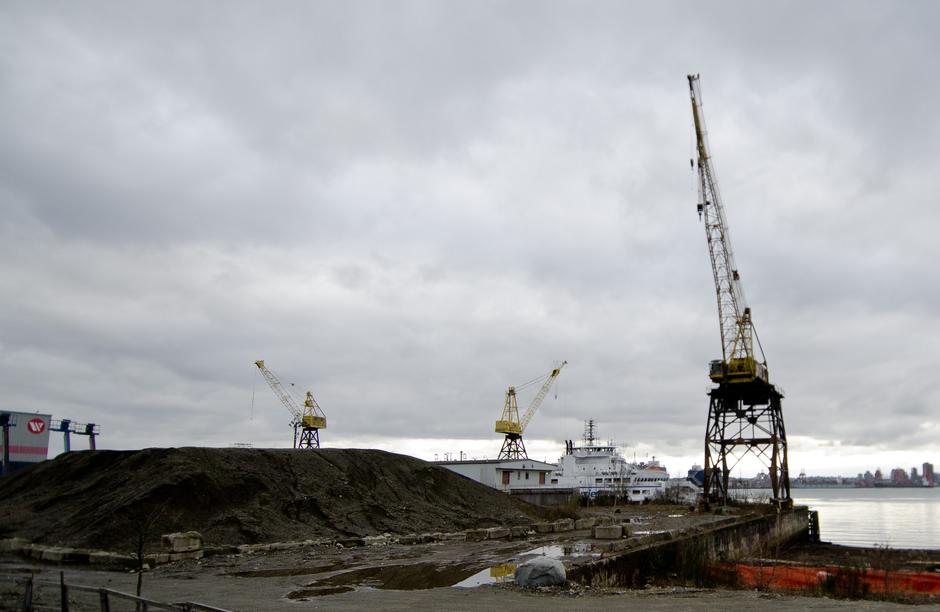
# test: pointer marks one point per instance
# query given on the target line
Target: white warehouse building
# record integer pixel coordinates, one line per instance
(504, 475)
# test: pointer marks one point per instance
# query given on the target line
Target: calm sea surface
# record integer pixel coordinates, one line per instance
(899, 518)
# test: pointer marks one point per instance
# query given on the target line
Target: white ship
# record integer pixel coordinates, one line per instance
(599, 469)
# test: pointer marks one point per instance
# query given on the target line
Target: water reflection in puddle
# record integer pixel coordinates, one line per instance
(491, 575)
(505, 571)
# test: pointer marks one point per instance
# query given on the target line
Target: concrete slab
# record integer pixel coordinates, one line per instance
(607, 532)
(497, 533)
(585, 523)
(186, 541)
(475, 535)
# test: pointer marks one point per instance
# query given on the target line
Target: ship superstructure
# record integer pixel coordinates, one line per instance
(594, 468)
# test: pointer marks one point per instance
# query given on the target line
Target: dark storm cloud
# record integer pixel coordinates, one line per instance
(410, 206)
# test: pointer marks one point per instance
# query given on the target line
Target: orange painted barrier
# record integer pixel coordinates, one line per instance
(844, 580)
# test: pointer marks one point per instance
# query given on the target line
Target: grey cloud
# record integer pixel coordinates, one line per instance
(408, 207)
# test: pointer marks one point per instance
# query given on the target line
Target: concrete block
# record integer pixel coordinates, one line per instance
(604, 519)
(427, 538)
(519, 531)
(183, 556)
(607, 532)
(224, 549)
(409, 539)
(564, 525)
(544, 527)
(457, 536)
(157, 559)
(286, 545)
(350, 542)
(15, 545)
(475, 535)
(611, 546)
(250, 549)
(54, 553)
(497, 533)
(100, 557)
(585, 523)
(187, 541)
(380, 540)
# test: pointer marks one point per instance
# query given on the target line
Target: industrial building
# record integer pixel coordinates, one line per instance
(504, 474)
(24, 440)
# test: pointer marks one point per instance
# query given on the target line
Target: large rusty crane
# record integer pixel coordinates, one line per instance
(512, 426)
(308, 421)
(745, 414)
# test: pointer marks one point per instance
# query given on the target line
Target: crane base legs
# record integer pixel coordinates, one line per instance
(513, 448)
(306, 437)
(745, 419)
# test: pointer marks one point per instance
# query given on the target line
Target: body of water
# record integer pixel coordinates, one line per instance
(899, 518)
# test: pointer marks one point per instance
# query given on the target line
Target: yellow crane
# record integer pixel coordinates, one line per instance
(512, 426)
(745, 411)
(308, 421)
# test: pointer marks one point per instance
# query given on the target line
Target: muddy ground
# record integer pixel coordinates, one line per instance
(238, 496)
(438, 576)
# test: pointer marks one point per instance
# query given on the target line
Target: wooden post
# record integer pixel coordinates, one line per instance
(64, 591)
(103, 598)
(5, 423)
(28, 596)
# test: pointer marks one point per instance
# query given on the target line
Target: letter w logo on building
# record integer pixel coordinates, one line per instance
(36, 426)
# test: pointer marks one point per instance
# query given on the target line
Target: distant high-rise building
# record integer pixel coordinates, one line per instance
(928, 473)
(879, 475)
(914, 475)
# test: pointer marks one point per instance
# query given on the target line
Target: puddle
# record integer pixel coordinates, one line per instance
(491, 575)
(414, 576)
(288, 571)
(675, 515)
(556, 551)
(652, 532)
(506, 571)
(303, 594)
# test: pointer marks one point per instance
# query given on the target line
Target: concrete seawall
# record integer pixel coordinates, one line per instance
(687, 555)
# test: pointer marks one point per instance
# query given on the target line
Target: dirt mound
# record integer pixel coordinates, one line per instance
(103, 499)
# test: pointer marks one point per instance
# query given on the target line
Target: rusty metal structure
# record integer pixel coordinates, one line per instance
(745, 416)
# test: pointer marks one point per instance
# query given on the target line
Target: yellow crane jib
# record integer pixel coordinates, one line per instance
(308, 420)
(512, 425)
(738, 361)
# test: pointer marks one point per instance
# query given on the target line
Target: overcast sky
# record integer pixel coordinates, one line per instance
(406, 207)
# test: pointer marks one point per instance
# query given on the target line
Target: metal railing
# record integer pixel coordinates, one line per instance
(30, 585)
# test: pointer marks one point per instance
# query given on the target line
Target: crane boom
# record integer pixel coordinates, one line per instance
(308, 420)
(738, 361)
(512, 426)
(537, 400)
(286, 398)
